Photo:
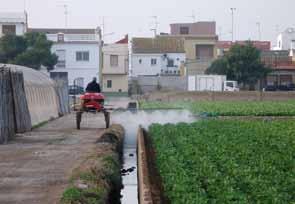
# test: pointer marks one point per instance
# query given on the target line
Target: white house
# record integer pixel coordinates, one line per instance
(115, 68)
(286, 40)
(13, 23)
(162, 55)
(78, 51)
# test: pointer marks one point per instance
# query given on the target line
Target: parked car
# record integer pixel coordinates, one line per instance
(290, 87)
(76, 90)
(270, 88)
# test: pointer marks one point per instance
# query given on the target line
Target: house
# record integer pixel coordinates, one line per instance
(162, 55)
(13, 23)
(78, 52)
(199, 44)
(115, 68)
(283, 67)
(286, 40)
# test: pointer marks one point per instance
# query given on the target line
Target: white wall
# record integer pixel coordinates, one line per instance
(75, 69)
(146, 68)
(285, 39)
(115, 49)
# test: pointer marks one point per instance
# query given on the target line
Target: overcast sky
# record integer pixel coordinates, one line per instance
(135, 16)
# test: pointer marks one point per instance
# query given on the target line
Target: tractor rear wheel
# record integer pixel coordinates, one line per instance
(78, 119)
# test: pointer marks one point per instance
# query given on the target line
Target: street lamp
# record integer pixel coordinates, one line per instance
(232, 17)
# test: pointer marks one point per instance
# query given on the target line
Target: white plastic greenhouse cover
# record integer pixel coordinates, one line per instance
(31, 76)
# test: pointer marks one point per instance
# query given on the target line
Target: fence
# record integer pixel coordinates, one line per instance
(28, 98)
(14, 112)
(62, 90)
(146, 84)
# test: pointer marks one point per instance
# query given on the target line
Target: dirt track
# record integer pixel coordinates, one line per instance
(35, 167)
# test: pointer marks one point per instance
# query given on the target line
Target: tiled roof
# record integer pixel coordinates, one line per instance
(160, 44)
(62, 30)
(261, 45)
(124, 40)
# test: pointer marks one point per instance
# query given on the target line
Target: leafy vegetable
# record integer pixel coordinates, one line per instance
(215, 161)
(241, 108)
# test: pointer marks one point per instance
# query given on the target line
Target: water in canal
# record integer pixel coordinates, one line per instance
(131, 120)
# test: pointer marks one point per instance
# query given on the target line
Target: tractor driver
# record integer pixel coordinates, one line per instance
(93, 87)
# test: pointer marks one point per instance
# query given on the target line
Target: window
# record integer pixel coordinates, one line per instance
(230, 84)
(82, 56)
(60, 37)
(184, 30)
(204, 52)
(109, 83)
(170, 63)
(114, 60)
(153, 62)
(61, 54)
(9, 29)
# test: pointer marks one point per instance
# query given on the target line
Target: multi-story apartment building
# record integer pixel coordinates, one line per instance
(78, 52)
(13, 23)
(115, 68)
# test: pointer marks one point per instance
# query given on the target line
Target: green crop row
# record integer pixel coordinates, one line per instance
(241, 108)
(226, 161)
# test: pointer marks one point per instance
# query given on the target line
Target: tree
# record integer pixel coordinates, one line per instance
(31, 50)
(242, 63)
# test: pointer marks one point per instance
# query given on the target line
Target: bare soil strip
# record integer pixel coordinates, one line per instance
(36, 166)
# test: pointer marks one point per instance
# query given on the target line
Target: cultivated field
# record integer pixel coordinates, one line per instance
(226, 161)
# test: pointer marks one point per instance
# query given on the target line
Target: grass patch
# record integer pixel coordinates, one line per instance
(96, 184)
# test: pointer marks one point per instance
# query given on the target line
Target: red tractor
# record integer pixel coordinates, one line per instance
(93, 103)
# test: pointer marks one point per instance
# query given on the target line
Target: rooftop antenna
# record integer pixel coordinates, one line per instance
(104, 34)
(277, 29)
(193, 16)
(259, 30)
(65, 6)
(156, 23)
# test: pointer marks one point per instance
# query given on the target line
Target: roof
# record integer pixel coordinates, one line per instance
(31, 76)
(13, 17)
(62, 30)
(261, 45)
(123, 41)
(159, 44)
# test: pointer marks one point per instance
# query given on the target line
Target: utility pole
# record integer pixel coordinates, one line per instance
(193, 16)
(232, 26)
(259, 30)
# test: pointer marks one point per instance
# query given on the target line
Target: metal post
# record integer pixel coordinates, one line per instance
(259, 30)
(232, 15)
